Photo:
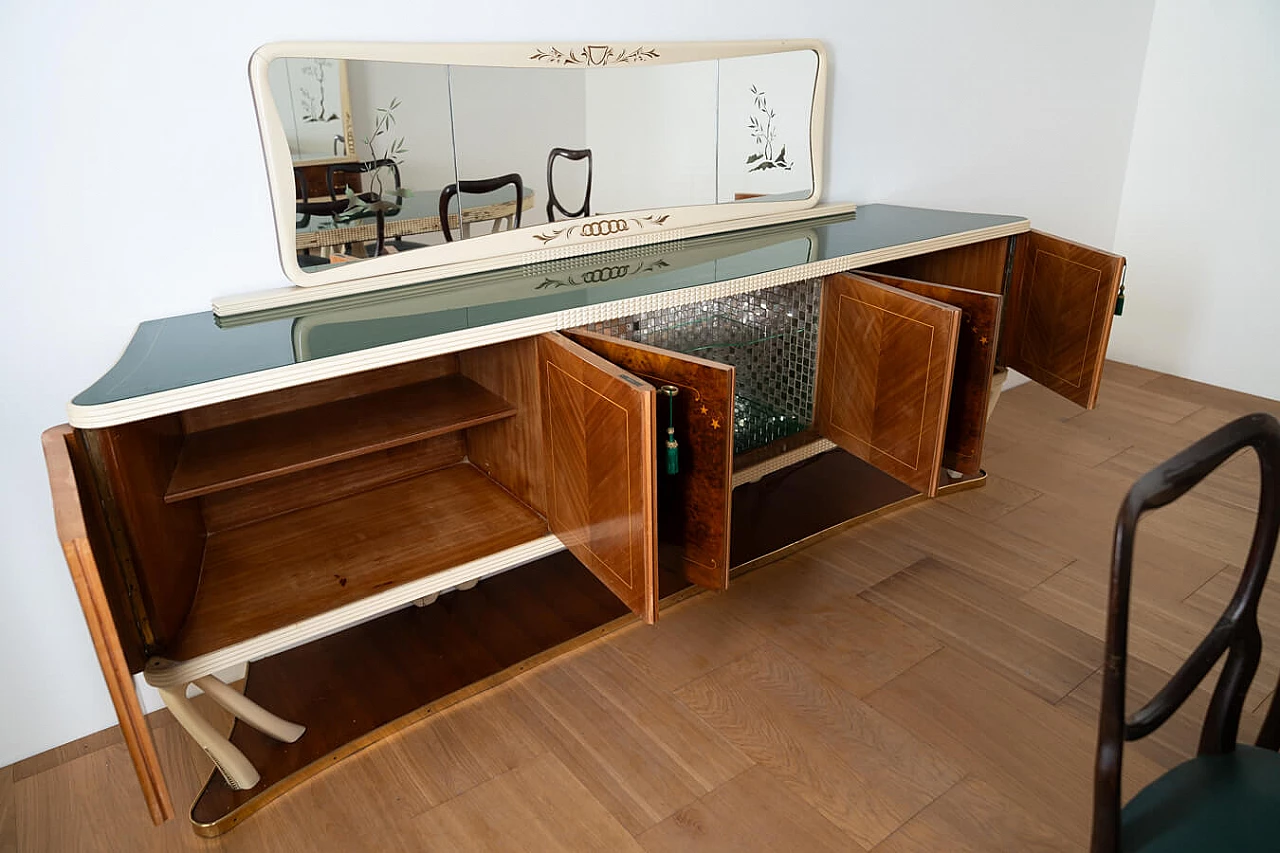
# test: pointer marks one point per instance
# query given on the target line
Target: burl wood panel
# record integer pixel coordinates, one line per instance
(1059, 314)
(975, 363)
(318, 393)
(73, 533)
(510, 450)
(247, 504)
(693, 505)
(253, 451)
(347, 686)
(977, 266)
(158, 545)
(885, 363)
(599, 433)
(267, 575)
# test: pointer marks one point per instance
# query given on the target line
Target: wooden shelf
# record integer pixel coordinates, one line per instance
(237, 455)
(284, 569)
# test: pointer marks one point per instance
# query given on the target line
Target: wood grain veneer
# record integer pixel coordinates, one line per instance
(885, 364)
(599, 437)
(359, 685)
(157, 545)
(258, 501)
(693, 505)
(1060, 309)
(252, 451)
(977, 266)
(317, 393)
(73, 532)
(975, 363)
(276, 572)
(510, 450)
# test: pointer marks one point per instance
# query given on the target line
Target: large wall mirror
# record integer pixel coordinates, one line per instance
(435, 160)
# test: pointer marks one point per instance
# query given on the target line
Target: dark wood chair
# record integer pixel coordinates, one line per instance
(483, 185)
(553, 201)
(1228, 796)
(341, 176)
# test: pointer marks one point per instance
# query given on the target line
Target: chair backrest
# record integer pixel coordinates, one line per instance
(483, 185)
(553, 201)
(1236, 633)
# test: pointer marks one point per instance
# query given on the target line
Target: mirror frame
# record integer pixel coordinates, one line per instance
(531, 244)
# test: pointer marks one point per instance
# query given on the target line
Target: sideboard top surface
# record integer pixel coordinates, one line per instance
(195, 359)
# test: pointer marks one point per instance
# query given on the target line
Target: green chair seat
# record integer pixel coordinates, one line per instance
(1211, 803)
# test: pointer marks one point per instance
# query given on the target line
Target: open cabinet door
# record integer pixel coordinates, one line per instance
(598, 435)
(885, 363)
(975, 363)
(1061, 302)
(693, 503)
(73, 532)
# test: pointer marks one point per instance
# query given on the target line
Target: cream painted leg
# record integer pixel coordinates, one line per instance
(239, 772)
(249, 711)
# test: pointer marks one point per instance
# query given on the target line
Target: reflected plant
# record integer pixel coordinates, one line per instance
(764, 133)
(386, 154)
(313, 106)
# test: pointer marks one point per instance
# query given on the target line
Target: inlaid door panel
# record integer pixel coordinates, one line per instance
(598, 438)
(885, 364)
(693, 503)
(975, 363)
(1059, 314)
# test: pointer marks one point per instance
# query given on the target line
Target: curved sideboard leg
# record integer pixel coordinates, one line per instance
(250, 711)
(238, 771)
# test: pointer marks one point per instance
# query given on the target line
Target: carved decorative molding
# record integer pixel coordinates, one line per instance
(594, 55)
(602, 228)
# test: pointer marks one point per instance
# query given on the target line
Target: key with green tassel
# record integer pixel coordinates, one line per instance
(673, 446)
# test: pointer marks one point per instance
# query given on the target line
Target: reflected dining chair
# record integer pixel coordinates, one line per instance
(553, 201)
(483, 185)
(1228, 796)
(350, 179)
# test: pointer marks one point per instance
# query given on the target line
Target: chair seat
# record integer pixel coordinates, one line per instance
(1214, 802)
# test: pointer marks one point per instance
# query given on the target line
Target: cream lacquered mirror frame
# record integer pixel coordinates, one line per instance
(531, 244)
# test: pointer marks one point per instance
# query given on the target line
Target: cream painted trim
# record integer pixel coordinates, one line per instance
(247, 303)
(164, 673)
(290, 375)
(493, 251)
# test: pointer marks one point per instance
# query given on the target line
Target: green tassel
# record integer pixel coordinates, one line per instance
(1120, 301)
(673, 446)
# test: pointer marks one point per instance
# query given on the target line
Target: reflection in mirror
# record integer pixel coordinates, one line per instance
(765, 113)
(382, 198)
(311, 95)
(489, 152)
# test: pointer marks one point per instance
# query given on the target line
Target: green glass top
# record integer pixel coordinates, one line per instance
(179, 352)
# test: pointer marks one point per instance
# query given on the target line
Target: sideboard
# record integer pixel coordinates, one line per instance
(532, 456)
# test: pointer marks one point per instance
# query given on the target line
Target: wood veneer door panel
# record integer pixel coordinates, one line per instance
(599, 435)
(975, 363)
(693, 504)
(1060, 308)
(73, 533)
(885, 365)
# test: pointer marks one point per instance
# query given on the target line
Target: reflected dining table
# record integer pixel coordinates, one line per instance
(417, 214)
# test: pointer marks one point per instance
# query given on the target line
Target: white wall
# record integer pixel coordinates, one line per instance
(994, 105)
(1200, 214)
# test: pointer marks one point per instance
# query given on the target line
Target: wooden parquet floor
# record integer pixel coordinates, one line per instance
(925, 682)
